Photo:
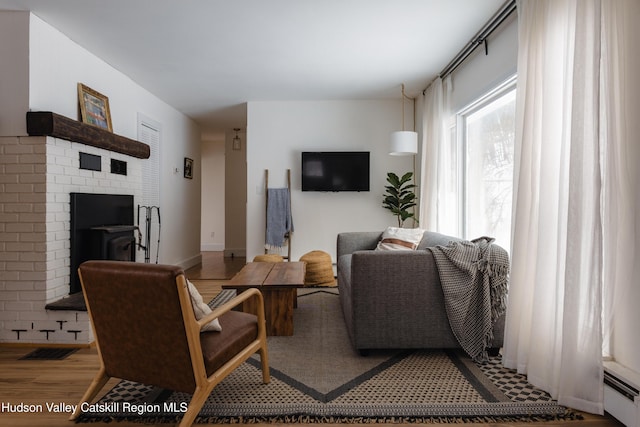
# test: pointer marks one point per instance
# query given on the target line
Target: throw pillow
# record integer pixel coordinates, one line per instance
(200, 309)
(400, 239)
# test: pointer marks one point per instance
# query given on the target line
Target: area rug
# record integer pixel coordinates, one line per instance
(318, 377)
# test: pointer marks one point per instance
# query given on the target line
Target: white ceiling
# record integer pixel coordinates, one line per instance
(207, 58)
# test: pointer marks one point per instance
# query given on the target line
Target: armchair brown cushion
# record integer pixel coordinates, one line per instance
(238, 331)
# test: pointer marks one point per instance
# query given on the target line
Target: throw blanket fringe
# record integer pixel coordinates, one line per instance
(279, 221)
(474, 277)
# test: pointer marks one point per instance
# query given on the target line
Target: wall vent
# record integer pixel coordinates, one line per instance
(118, 167)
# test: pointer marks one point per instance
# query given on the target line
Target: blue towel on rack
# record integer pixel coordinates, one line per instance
(279, 221)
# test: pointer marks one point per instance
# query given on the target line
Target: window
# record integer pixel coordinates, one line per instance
(486, 143)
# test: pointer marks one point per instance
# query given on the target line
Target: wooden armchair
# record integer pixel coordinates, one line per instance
(146, 331)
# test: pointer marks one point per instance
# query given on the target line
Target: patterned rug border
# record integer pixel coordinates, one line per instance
(567, 415)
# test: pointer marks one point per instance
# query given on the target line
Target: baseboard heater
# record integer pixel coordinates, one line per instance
(621, 394)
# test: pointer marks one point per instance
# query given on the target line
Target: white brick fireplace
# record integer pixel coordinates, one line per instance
(37, 175)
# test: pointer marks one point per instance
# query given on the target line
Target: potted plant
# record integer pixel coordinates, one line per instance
(399, 197)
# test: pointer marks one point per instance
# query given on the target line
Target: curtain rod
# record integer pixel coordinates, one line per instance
(480, 38)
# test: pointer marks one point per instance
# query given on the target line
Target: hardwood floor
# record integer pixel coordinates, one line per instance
(42, 382)
(215, 267)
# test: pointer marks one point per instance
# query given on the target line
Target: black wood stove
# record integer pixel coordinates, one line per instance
(101, 228)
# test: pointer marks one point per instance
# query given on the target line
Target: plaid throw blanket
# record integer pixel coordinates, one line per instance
(474, 278)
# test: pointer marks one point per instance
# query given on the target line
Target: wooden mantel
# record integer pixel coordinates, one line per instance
(46, 123)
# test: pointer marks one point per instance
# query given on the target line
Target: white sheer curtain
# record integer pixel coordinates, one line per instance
(438, 189)
(554, 318)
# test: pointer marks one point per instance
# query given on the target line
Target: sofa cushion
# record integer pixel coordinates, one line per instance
(400, 239)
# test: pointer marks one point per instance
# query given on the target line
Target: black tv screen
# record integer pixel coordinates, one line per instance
(335, 171)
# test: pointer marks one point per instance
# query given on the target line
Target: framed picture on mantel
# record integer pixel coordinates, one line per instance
(94, 108)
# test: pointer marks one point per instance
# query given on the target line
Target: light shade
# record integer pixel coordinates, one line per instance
(403, 143)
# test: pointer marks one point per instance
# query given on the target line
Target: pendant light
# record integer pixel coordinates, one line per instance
(403, 143)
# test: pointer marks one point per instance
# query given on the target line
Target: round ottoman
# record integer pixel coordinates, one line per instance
(319, 270)
(268, 258)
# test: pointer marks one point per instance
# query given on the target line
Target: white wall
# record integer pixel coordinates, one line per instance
(276, 135)
(55, 65)
(212, 235)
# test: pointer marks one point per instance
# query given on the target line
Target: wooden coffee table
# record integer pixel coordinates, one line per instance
(278, 282)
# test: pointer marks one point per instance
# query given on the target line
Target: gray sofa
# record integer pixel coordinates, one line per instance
(393, 299)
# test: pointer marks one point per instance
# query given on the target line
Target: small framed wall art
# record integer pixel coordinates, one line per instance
(188, 168)
(94, 108)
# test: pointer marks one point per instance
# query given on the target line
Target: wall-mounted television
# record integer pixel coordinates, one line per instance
(335, 171)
